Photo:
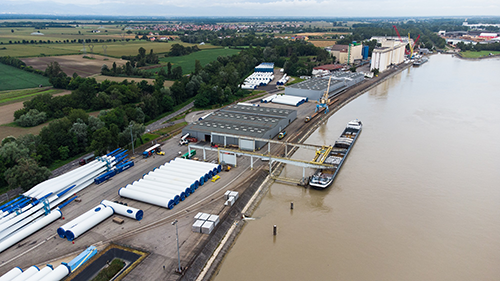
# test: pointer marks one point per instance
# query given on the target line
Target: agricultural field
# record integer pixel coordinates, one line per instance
(101, 78)
(12, 78)
(320, 34)
(12, 130)
(75, 63)
(187, 62)
(112, 49)
(322, 43)
(63, 33)
(11, 96)
(10, 101)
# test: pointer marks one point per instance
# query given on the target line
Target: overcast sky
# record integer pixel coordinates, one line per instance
(332, 8)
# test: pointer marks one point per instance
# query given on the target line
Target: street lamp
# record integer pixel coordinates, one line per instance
(179, 270)
(132, 138)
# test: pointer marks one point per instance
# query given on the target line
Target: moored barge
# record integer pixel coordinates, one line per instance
(323, 178)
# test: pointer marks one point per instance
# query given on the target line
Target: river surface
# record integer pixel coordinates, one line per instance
(418, 197)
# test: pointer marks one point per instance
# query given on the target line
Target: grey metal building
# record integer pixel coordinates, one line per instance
(251, 121)
(315, 87)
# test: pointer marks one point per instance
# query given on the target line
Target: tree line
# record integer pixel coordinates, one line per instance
(478, 47)
(427, 30)
(68, 41)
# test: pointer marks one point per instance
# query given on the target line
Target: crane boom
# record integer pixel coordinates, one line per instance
(324, 98)
(397, 32)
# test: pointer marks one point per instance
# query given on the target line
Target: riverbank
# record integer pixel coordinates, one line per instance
(459, 55)
(235, 222)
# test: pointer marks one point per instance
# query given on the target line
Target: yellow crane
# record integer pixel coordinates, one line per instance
(323, 102)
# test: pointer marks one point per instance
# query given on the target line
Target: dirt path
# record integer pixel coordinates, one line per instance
(7, 111)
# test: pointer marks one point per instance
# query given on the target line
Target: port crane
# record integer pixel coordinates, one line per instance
(412, 46)
(409, 53)
(324, 102)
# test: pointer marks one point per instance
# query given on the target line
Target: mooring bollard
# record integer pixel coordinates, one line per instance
(291, 206)
(275, 230)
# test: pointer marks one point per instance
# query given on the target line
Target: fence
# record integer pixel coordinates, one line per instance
(10, 194)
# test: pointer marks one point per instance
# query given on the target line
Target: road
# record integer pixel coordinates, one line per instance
(159, 124)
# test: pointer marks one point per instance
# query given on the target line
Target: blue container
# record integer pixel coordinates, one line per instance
(364, 52)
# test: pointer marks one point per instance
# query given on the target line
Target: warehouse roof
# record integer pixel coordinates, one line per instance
(243, 120)
(258, 110)
(341, 48)
(316, 84)
(230, 127)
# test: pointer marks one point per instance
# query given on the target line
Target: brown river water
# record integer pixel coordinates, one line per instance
(418, 197)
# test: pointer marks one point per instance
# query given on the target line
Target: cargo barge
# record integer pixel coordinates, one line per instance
(420, 61)
(323, 178)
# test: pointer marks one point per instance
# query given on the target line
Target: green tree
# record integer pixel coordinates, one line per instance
(11, 152)
(8, 139)
(169, 70)
(26, 174)
(63, 152)
(177, 73)
(80, 130)
(197, 67)
(54, 70)
(162, 73)
(142, 53)
(76, 114)
(102, 141)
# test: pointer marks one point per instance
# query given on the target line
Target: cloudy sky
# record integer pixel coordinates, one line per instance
(320, 8)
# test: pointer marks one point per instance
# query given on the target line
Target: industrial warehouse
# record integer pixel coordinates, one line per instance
(314, 88)
(251, 121)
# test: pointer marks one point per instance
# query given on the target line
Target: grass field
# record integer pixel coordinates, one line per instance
(187, 62)
(322, 43)
(20, 95)
(474, 54)
(113, 49)
(12, 78)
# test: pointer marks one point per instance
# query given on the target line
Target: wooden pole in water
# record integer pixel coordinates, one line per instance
(291, 206)
(275, 230)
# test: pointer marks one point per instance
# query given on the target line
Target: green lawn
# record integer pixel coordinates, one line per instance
(172, 128)
(474, 54)
(187, 62)
(12, 78)
(20, 95)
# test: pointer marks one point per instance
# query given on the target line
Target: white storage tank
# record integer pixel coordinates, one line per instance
(27, 274)
(123, 210)
(58, 273)
(147, 198)
(82, 227)
(11, 274)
